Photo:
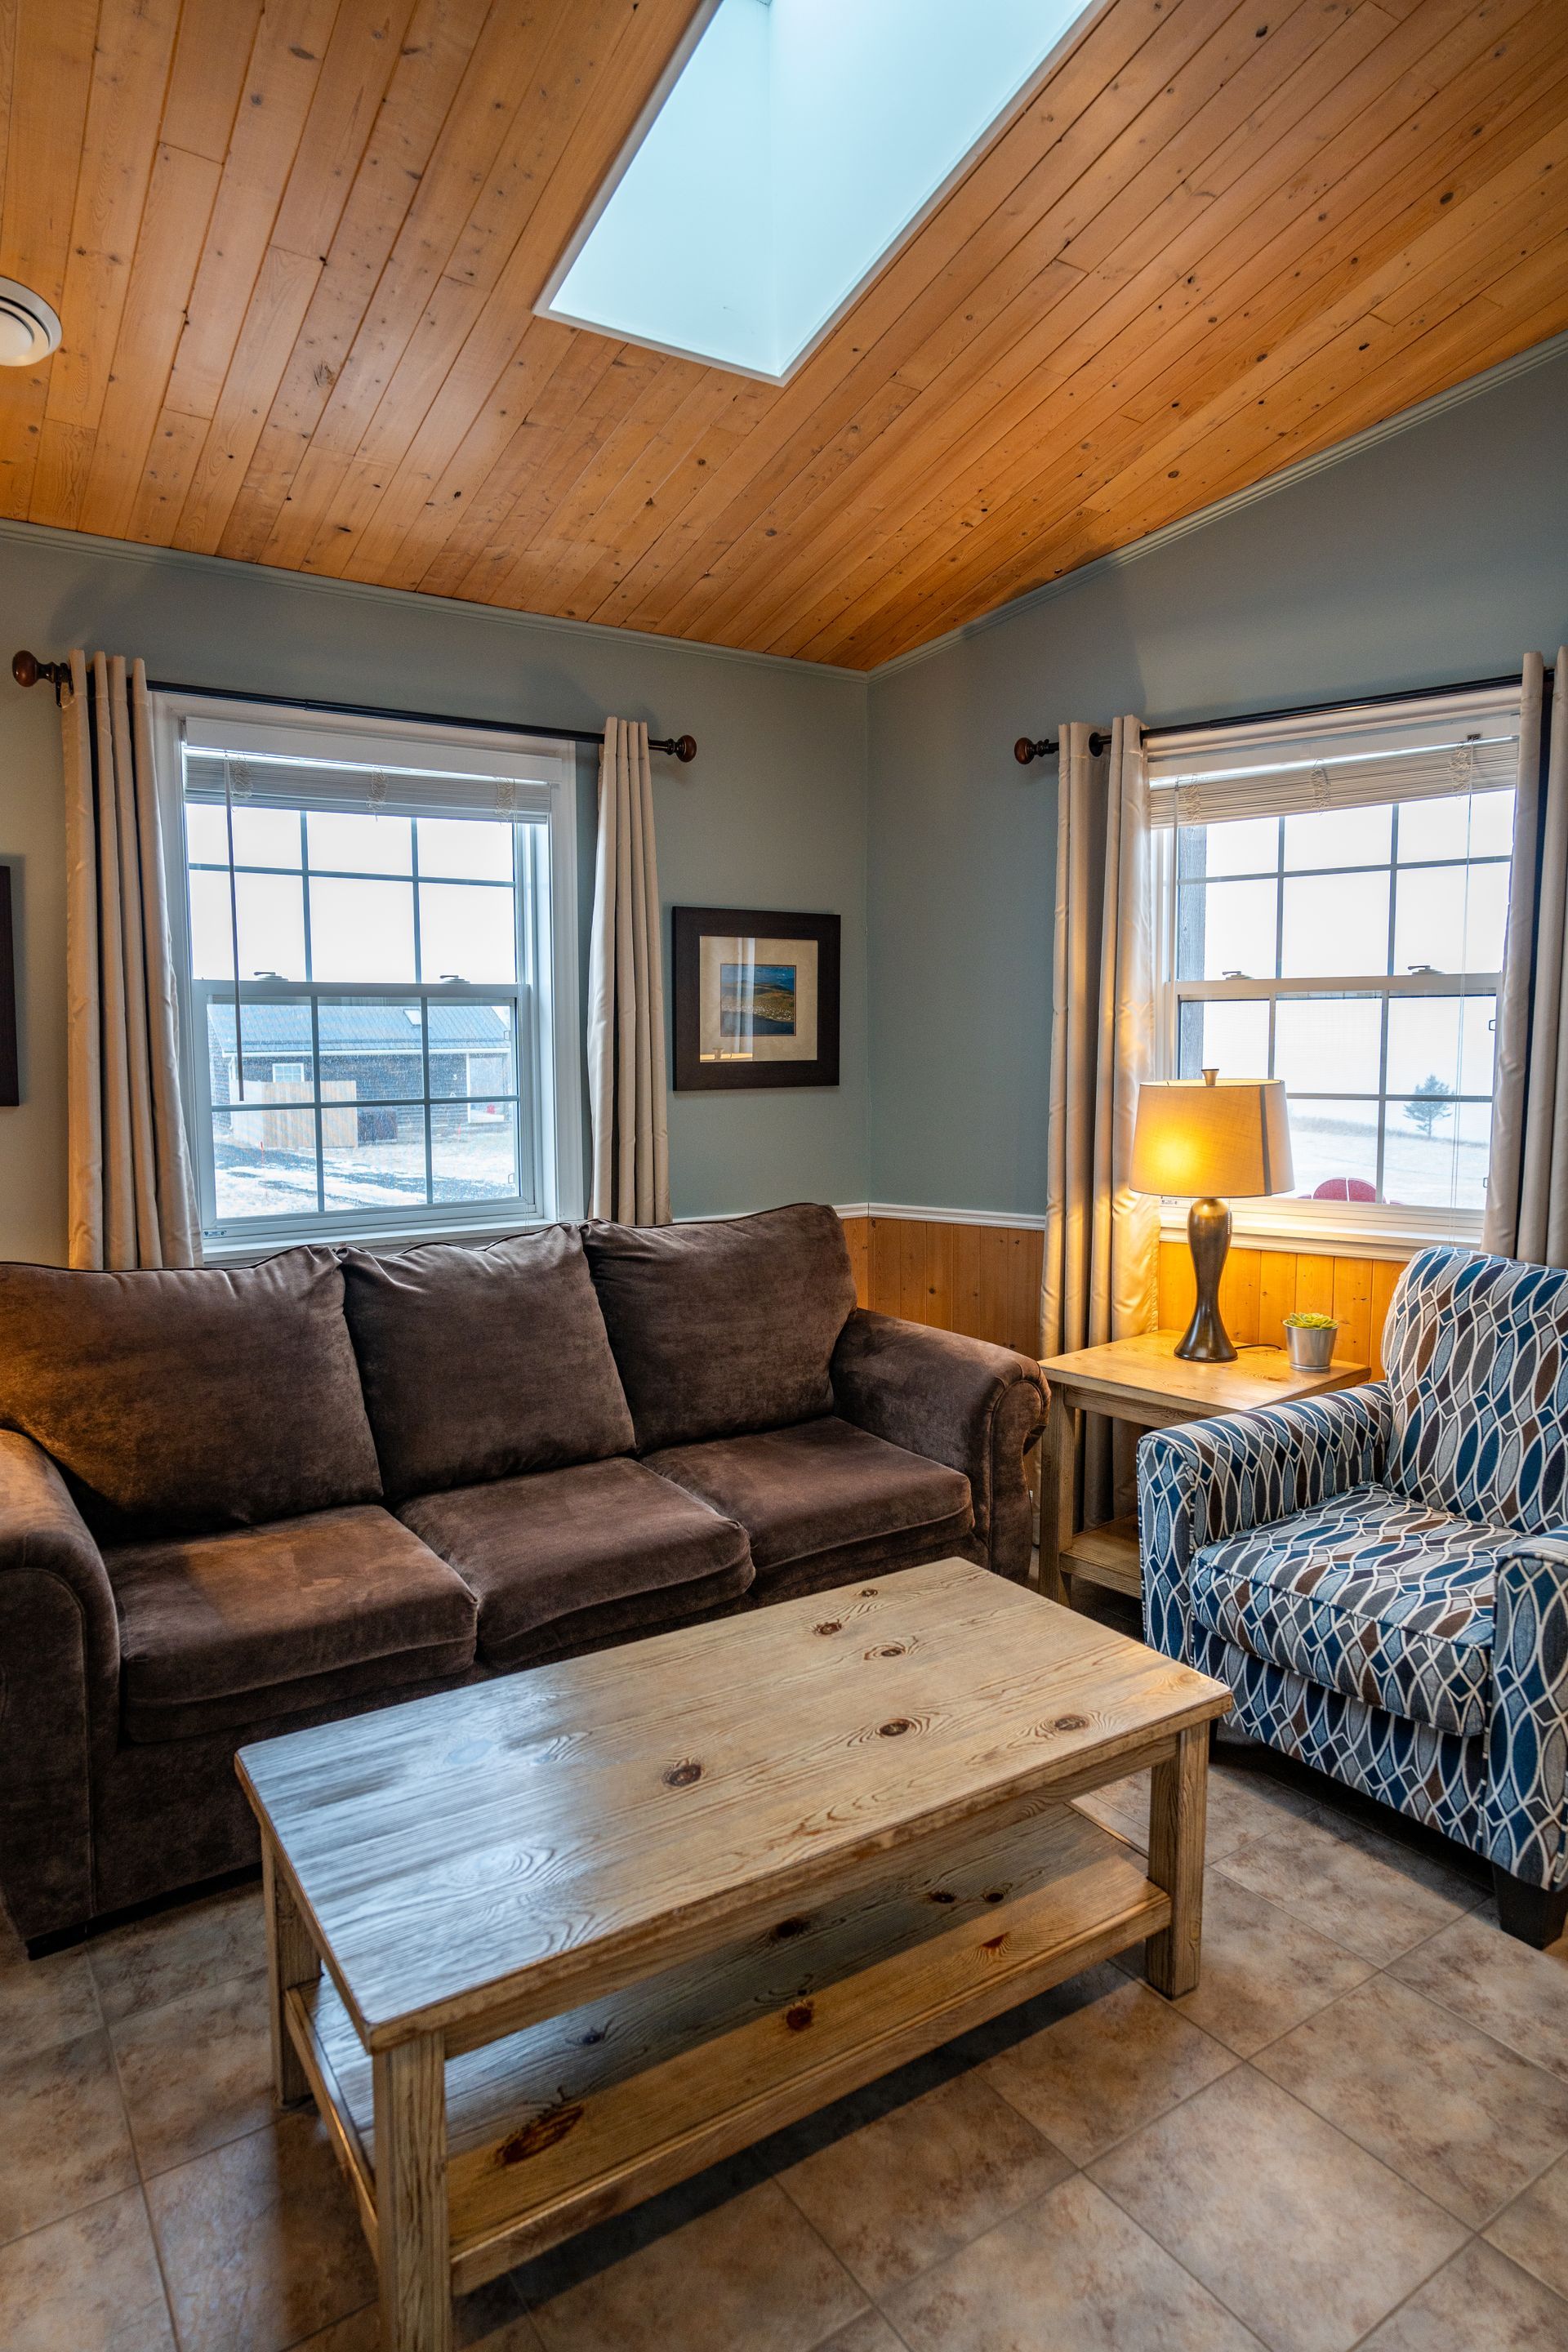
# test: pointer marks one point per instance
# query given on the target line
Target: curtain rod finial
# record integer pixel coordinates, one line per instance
(28, 670)
(679, 747)
(1025, 749)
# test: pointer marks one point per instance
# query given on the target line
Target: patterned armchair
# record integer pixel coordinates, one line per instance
(1381, 1575)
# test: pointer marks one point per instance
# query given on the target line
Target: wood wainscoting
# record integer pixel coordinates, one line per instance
(985, 1280)
(1260, 1287)
(980, 1278)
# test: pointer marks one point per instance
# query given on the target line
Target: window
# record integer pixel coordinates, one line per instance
(380, 982)
(1333, 895)
(796, 143)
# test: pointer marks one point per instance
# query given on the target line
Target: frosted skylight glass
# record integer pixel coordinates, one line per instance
(800, 141)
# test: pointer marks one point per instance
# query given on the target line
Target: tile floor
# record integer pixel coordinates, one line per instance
(1355, 2132)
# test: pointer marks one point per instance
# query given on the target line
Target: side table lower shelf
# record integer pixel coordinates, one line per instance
(1107, 1555)
(1145, 1382)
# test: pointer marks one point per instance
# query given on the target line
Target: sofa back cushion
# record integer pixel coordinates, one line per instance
(726, 1327)
(181, 1403)
(483, 1363)
(1476, 1350)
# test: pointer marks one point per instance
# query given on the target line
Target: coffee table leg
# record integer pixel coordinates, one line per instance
(1178, 1802)
(411, 2215)
(292, 1959)
(1058, 1477)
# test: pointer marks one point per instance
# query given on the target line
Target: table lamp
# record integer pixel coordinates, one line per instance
(1203, 1141)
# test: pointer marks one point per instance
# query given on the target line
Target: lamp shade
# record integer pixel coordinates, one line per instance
(1233, 1140)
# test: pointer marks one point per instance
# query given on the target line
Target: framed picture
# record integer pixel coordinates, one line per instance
(756, 998)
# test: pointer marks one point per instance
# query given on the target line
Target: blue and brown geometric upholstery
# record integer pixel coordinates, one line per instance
(1477, 1349)
(1385, 1600)
(1381, 1575)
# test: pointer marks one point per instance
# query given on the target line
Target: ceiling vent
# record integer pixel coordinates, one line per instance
(29, 329)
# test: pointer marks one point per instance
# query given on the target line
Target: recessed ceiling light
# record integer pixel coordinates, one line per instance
(29, 329)
(792, 146)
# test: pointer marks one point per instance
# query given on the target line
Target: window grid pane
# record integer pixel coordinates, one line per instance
(1409, 1135)
(314, 1116)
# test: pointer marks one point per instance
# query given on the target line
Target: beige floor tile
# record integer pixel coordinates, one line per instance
(910, 2187)
(490, 2320)
(748, 2275)
(89, 2284)
(63, 2140)
(43, 2002)
(1476, 2302)
(1516, 1995)
(177, 1952)
(1242, 1804)
(1533, 2230)
(1302, 2233)
(196, 2071)
(1264, 1970)
(260, 2243)
(1113, 2056)
(1467, 2121)
(869, 2333)
(1070, 2274)
(1362, 1890)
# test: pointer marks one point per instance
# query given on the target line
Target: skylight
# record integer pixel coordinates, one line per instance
(798, 143)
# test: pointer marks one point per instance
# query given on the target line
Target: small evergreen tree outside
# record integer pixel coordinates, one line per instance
(1431, 1104)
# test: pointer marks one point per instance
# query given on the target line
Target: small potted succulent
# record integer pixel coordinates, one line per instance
(1310, 1341)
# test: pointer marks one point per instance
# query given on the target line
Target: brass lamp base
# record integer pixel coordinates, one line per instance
(1206, 1339)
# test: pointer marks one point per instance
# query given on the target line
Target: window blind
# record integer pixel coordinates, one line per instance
(281, 767)
(1422, 749)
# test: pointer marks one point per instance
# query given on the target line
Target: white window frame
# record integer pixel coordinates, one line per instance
(1361, 1228)
(550, 1059)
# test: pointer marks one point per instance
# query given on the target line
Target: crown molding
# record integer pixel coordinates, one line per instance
(138, 552)
(1404, 421)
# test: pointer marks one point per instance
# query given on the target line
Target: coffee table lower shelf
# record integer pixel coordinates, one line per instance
(586, 2113)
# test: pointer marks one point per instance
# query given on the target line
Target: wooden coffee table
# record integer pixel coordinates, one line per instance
(588, 1928)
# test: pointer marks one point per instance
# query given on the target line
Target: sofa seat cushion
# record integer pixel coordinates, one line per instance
(483, 1362)
(220, 1631)
(724, 1325)
(825, 1490)
(1386, 1600)
(179, 1401)
(564, 1558)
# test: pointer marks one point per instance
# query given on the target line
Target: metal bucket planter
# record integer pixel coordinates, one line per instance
(1310, 1346)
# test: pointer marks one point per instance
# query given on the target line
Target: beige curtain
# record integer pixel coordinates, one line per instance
(1102, 1253)
(1527, 1188)
(626, 1078)
(130, 1197)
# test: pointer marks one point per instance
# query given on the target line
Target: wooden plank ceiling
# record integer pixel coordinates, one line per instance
(296, 247)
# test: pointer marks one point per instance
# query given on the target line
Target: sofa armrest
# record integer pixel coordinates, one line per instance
(1527, 1731)
(1204, 1479)
(59, 1689)
(976, 1407)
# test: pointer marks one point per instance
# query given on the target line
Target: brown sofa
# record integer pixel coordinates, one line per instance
(233, 1503)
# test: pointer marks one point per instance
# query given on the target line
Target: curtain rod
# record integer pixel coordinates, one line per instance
(1029, 747)
(28, 670)
(1312, 710)
(1025, 750)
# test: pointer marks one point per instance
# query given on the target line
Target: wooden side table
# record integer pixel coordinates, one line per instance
(1145, 1381)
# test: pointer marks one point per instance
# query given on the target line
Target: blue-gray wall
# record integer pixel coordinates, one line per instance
(1438, 554)
(772, 812)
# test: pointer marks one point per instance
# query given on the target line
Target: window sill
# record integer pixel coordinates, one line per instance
(251, 1249)
(1336, 1228)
